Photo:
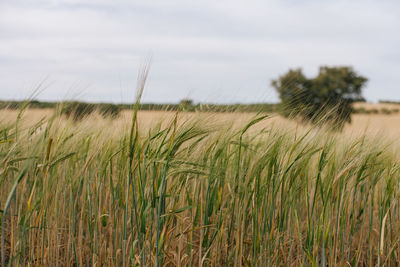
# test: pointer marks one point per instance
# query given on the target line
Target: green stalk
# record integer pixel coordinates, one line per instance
(5, 209)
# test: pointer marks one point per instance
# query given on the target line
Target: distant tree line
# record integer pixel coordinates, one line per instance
(78, 110)
(81, 109)
(389, 102)
(385, 111)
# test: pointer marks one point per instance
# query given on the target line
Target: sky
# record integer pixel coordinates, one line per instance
(209, 51)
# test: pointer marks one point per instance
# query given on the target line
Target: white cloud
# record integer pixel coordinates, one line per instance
(211, 50)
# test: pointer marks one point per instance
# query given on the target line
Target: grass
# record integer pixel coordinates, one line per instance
(188, 192)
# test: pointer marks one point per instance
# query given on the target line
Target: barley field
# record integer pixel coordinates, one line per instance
(197, 189)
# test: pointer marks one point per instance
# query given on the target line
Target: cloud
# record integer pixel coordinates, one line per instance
(224, 51)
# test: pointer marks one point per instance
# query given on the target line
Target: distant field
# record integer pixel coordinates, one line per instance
(191, 189)
(383, 125)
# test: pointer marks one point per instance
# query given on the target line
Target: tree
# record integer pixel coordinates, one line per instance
(327, 97)
(187, 104)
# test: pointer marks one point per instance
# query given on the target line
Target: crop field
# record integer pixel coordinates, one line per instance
(188, 189)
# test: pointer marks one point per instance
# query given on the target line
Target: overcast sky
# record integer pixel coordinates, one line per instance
(209, 51)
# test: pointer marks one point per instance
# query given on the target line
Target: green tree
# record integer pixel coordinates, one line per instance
(326, 98)
(187, 104)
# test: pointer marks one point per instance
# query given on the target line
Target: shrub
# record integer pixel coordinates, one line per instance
(386, 111)
(187, 105)
(108, 110)
(77, 110)
(360, 111)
